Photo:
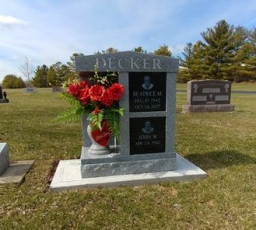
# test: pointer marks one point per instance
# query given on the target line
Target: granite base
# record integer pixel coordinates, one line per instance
(16, 172)
(208, 108)
(68, 176)
(4, 100)
(115, 164)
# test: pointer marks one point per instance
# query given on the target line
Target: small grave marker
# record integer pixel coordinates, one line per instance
(30, 90)
(57, 89)
(3, 96)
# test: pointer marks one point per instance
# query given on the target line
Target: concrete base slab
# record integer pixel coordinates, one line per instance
(4, 100)
(68, 176)
(208, 108)
(16, 172)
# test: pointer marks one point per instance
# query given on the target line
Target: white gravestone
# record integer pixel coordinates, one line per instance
(4, 157)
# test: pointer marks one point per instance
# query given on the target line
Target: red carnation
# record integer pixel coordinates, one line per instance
(73, 89)
(116, 91)
(84, 96)
(96, 92)
(107, 100)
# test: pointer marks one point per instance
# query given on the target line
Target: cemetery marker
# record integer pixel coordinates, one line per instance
(208, 96)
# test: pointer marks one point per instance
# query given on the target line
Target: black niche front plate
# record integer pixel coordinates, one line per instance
(147, 135)
(147, 92)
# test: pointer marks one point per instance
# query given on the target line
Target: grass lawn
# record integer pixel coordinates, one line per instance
(222, 144)
(243, 86)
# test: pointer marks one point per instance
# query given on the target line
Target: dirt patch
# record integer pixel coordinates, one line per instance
(52, 171)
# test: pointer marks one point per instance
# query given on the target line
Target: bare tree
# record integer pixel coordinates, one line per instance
(27, 70)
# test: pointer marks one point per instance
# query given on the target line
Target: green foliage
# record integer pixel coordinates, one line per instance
(97, 110)
(71, 63)
(225, 53)
(219, 51)
(40, 78)
(11, 82)
(71, 72)
(96, 119)
(186, 71)
(107, 51)
(112, 116)
(164, 51)
(58, 73)
(139, 50)
(73, 114)
(249, 65)
(52, 77)
(104, 80)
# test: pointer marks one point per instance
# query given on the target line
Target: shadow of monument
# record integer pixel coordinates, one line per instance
(220, 159)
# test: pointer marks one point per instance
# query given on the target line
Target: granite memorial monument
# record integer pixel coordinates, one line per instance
(30, 90)
(148, 125)
(208, 96)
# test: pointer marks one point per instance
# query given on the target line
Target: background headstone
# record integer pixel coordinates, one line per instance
(3, 96)
(1, 93)
(208, 96)
(12, 172)
(57, 89)
(30, 90)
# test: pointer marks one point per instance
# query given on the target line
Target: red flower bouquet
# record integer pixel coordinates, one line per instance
(100, 101)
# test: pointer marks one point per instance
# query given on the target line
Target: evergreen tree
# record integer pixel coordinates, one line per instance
(40, 79)
(192, 66)
(139, 50)
(164, 51)
(71, 74)
(110, 50)
(52, 77)
(71, 63)
(186, 65)
(219, 51)
(66, 73)
(224, 54)
(58, 73)
(249, 65)
(107, 51)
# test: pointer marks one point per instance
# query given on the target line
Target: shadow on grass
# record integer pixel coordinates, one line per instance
(220, 159)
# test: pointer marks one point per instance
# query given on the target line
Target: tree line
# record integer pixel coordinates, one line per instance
(225, 52)
(58, 73)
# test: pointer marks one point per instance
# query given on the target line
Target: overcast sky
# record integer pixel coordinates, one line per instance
(47, 31)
